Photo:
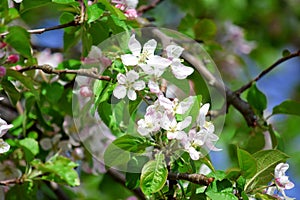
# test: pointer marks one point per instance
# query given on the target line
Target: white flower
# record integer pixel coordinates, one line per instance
(4, 147)
(281, 180)
(143, 56)
(148, 125)
(4, 127)
(128, 85)
(179, 70)
(175, 129)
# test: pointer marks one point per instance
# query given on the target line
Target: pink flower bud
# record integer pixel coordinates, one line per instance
(131, 13)
(13, 58)
(17, 67)
(2, 45)
(2, 71)
(121, 6)
(85, 91)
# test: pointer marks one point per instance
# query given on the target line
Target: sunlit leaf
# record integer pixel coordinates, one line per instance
(247, 163)
(154, 175)
(288, 107)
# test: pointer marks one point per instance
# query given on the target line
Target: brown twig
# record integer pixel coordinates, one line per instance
(92, 73)
(75, 22)
(266, 71)
(11, 181)
(194, 178)
(145, 8)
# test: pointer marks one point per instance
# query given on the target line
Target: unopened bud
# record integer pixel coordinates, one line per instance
(2, 71)
(13, 58)
(85, 91)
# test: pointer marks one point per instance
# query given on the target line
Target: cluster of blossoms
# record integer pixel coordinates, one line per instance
(161, 117)
(128, 6)
(151, 66)
(4, 147)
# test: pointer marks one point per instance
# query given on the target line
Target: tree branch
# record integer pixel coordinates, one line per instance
(264, 72)
(145, 8)
(92, 72)
(194, 178)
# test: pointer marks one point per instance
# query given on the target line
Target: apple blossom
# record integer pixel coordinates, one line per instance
(148, 125)
(281, 180)
(4, 147)
(4, 127)
(131, 13)
(175, 129)
(179, 70)
(143, 55)
(127, 84)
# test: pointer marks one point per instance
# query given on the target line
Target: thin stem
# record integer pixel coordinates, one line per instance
(92, 73)
(266, 71)
(194, 178)
(145, 8)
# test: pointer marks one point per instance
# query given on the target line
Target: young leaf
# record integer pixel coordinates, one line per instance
(288, 107)
(154, 175)
(247, 163)
(58, 169)
(19, 39)
(94, 12)
(30, 147)
(257, 99)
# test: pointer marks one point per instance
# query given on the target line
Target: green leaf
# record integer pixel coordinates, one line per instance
(154, 175)
(247, 163)
(135, 166)
(205, 29)
(58, 169)
(94, 12)
(131, 143)
(116, 24)
(34, 4)
(220, 189)
(266, 163)
(26, 81)
(221, 195)
(116, 156)
(19, 39)
(63, 1)
(53, 91)
(30, 147)
(257, 99)
(288, 107)
(11, 91)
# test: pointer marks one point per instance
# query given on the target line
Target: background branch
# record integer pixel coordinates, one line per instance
(145, 8)
(264, 72)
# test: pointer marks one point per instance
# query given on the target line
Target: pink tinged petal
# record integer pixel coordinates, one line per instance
(289, 185)
(149, 47)
(95, 53)
(121, 78)
(154, 87)
(129, 59)
(165, 103)
(134, 46)
(174, 51)
(212, 147)
(185, 105)
(180, 135)
(185, 123)
(157, 61)
(181, 71)
(132, 76)
(165, 122)
(120, 91)
(280, 169)
(131, 94)
(4, 147)
(139, 85)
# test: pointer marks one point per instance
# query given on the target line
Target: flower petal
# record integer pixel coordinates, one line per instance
(149, 47)
(120, 91)
(139, 85)
(132, 76)
(129, 59)
(181, 71)
(157, 61)
(174, 51)
(202, 113)
(134, 46)
(121, 79)
(131, 94)
(154, 87)
(4, 147)
(185, 123)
